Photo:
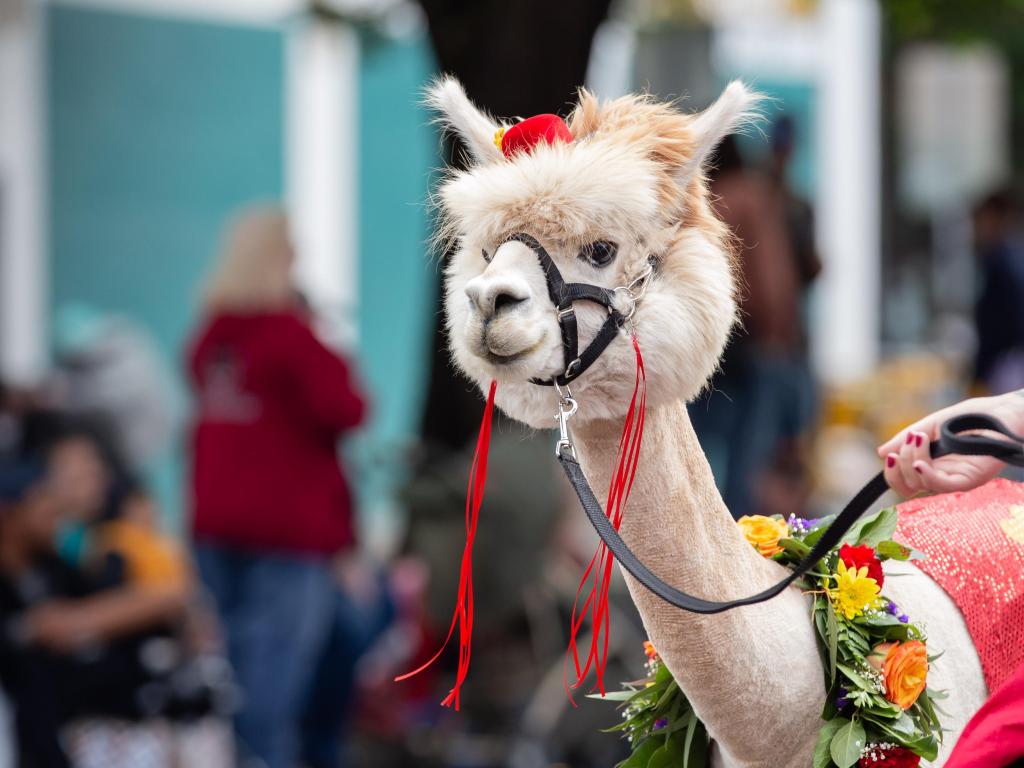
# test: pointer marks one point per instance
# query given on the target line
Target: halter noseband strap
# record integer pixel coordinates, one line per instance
(563, 295)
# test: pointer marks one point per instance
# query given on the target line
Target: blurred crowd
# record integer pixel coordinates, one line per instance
(120, 646)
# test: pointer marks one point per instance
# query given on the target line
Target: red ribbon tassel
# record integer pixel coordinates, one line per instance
(599, 571)
(463, 615)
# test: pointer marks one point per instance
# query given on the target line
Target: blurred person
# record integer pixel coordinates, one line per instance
(995, 735)
(271, 505)
(109, 524)
(752, 418)
(28, 420)
(999, 311)
(68, 647)
(107, 366)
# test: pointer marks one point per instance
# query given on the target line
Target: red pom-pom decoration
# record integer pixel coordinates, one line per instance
(888, 756)
(524, 136)
(860, 556)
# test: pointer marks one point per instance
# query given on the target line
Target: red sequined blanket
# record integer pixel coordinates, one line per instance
(986, 579)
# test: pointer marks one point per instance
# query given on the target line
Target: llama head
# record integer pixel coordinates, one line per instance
(628, 191)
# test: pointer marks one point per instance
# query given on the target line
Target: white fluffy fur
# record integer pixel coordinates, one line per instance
(448, 99)
(753, 674)
(567, 195)
(734, 108)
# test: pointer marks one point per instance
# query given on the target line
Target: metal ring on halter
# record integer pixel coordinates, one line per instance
(564, 394)
(631, 291)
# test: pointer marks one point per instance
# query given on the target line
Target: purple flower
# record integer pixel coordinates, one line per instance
(800, 524)
(841, 700)
(892, 608)
(660, 723)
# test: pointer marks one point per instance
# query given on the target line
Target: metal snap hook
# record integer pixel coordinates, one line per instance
(567, 406)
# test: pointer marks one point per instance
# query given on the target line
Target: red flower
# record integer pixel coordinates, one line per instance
(860, 556)
(878, 756)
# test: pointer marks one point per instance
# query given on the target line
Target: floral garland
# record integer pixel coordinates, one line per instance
(878, 710)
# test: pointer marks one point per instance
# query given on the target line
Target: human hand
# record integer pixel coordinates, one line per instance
(909, 467)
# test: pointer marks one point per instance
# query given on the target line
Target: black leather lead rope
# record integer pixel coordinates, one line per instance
(952, 440)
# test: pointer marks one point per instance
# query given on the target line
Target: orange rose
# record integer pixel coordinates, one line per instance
(906, 672)
(764, 532)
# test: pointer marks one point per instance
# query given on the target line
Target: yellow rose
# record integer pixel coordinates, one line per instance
(764, 532)
(906, 672)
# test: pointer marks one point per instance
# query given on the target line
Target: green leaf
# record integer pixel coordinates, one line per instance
(823, 525)
(641, 755)
(856, 678)
(795, 547)
(832, 637)
(613, 695)
(822, 755)
(668, 756)
(853, 535)
(880, 529)
(695, 746)
(847, 744)
(893, 550)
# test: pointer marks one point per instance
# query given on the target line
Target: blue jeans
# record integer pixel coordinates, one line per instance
(354, 628)
(275, 610)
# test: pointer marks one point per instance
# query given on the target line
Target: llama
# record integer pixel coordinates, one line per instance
(633, 179)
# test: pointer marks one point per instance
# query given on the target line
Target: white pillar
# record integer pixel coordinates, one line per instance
(321, 162)
(23, 267)
(845, 319)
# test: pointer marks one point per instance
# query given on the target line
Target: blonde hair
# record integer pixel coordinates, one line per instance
(253, 271)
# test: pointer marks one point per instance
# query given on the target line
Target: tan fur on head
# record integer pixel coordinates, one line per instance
(634, 176)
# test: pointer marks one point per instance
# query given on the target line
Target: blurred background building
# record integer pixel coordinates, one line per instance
(131, 131)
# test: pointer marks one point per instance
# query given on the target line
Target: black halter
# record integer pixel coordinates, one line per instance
(563, 295)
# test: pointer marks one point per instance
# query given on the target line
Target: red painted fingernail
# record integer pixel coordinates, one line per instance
(910, 437)
(890, 462)
(918, 440)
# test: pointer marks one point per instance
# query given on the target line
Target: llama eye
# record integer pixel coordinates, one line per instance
(485, 254)
(600, 253)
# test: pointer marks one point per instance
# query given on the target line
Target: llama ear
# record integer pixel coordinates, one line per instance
(456, 112)
(733, 109)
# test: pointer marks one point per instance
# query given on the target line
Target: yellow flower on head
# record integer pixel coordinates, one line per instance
(498, 136)
(764, 532)
(854, 590)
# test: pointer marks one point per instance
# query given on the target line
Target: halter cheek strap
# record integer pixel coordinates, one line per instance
(562, 295)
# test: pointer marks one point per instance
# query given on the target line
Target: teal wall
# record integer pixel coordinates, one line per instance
(160, 128)
(397, 276)
(797, 99)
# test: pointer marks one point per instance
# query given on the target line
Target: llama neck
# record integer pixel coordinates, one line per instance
(752, 674)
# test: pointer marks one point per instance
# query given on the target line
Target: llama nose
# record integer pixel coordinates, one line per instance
(496, 296)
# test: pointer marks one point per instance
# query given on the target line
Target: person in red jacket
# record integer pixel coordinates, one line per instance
(269, 499)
